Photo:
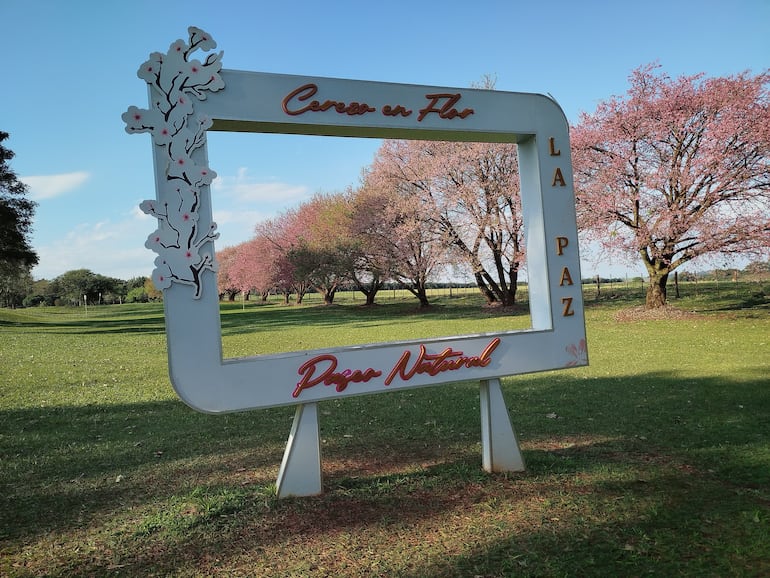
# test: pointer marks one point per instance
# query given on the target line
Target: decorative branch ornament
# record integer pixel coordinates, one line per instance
(176, 81)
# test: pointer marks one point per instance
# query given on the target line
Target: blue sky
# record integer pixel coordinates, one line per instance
(70, 72)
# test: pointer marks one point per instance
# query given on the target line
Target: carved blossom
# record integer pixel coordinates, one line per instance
(578, 352)
(177, 81)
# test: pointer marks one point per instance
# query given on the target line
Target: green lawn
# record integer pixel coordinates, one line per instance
(654, 460)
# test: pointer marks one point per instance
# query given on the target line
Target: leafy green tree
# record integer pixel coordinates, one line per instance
(41, 292)
(135, 282)
(758, 269)
(137, 295)
(16, 212)
(14, 288)
(79, 283)
(153, 293)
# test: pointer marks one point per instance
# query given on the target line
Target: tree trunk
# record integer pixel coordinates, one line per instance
(423, 297)
(421, 292)
(370, 294)
(370, 288)
(509, 294)
(485, 291)
(656, 290)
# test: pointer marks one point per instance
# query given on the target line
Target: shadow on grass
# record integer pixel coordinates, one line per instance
(625, 474)
(665, 523)
(262, 318)
(234, 320)
(61, 464)
(144, 318)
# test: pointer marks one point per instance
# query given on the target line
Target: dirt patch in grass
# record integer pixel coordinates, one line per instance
(666, 312)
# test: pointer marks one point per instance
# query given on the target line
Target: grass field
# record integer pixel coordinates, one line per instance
(654, 460)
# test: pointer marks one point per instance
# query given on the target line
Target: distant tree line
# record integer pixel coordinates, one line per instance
(77, 287)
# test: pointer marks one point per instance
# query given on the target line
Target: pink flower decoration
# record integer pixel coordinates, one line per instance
(174, 125)
(579, 352)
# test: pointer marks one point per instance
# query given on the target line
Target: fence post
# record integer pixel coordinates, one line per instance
(676, 283)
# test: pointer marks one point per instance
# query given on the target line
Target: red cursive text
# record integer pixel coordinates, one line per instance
(447, 109)
(433, 364)
(307, 91)
(298, 102)
(329, 376)
(397, 110)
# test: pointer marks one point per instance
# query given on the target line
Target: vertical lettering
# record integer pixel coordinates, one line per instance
(558, 178)
(561, 243)
(552, 149)
(567, 303)
(565, 277)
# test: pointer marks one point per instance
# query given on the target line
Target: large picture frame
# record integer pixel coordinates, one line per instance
(189, 97)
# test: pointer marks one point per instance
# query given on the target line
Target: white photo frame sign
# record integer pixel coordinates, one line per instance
(189, 97)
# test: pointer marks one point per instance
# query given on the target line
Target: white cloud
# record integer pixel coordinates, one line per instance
(50, 186)
(116, 248)
(244, 189)
(240, 202)
(107, 248)
(236, 226)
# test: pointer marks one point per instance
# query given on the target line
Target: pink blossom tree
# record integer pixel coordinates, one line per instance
(469, 195)
(374, 260)
(401, 235)
(226, 284)
(278, 236)
(676, 170)
(475, 188)
(254, 266)
(322, 250)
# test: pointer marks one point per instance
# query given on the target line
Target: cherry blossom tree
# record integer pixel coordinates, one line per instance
(676, 170)
(469, 193)
(226, 284)
(373, 260)
(279, 235)
(476, 191)
(401, 235)
(323, 252)
(254, 266)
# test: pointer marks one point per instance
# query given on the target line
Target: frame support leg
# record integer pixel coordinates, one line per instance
(300, 473)
(499, 446)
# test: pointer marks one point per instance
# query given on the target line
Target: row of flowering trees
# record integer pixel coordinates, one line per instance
(422, 206)
(673, 171)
